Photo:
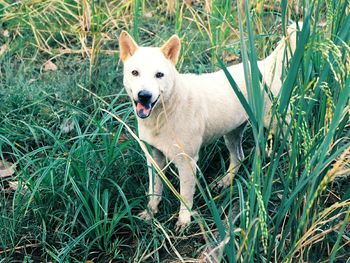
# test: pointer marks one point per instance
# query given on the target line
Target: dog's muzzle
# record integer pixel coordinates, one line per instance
(144, 104)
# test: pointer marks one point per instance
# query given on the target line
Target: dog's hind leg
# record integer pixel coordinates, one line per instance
(233, 141)
(155, 186)
(272, 123)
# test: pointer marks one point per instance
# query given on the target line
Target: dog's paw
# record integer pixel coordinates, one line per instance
(145, 215)
(223, 183)
(183, 222)
(181, 226)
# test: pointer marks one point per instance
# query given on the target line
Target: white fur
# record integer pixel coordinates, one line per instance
(192, 110)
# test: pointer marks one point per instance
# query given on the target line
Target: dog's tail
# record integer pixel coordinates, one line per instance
(292, 35)
(291, 39)
(273, 64)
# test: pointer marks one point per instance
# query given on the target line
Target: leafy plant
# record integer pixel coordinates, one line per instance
(80, 167)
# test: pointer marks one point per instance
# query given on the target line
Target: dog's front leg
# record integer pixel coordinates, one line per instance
(155, 185)
(187, 173)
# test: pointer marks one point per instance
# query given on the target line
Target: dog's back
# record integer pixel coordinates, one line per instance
(212, 96)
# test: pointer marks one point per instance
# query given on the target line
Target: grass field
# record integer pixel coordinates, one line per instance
(80, 176)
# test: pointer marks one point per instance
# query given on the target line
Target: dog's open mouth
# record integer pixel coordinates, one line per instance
(143, 110)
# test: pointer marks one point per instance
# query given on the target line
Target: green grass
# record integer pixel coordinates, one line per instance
(79, 192)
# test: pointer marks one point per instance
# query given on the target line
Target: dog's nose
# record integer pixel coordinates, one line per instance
(144, 96)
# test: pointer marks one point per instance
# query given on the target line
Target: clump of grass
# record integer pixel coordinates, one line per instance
(79, 189)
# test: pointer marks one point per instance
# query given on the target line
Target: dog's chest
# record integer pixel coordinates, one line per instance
(157, 138)
(170, 141)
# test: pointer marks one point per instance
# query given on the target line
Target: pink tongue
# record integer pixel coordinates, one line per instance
(142, 111)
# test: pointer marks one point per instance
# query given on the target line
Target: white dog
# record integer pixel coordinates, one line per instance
(178, 113)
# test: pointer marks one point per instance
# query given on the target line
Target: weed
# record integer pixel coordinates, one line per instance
(81, 169)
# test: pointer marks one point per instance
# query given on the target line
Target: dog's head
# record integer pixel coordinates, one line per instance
(149, 72)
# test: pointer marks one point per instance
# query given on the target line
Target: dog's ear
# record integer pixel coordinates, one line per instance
(127, 45)
(171, 49)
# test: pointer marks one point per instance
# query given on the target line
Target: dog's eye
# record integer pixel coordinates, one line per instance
(159, 75)
(135, 73)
